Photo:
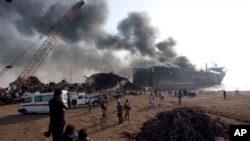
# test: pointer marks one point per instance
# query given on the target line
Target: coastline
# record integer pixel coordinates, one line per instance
(228, 87)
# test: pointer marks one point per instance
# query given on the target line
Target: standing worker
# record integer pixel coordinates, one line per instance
(90, 104)
(57, 121)
(118, 100)
(104, 111)
(225, 94)
(120, 109)
(127, 109)
(151, 100)
(69, 101)
(161, 98)
(179, 97)
(106, 99)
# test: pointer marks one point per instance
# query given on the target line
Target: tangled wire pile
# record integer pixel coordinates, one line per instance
(182, 124)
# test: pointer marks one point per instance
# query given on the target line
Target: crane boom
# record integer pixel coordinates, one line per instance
(48, 45)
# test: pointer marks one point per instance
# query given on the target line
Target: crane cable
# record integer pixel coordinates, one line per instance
(22, 54)
(25, 51)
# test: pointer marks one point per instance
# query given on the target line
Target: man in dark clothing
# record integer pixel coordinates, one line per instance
(179, 97)
(69, 101)
(104, 110)
(90, 104)
(120, 109)
(225, 94)
(56, 114)
(106, 99)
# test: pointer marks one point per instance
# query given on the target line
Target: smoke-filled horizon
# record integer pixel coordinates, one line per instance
(85, 46)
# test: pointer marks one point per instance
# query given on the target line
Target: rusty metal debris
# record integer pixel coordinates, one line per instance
(96, 82)
(182, 124)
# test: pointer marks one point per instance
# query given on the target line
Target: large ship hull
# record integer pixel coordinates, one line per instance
(168, 78)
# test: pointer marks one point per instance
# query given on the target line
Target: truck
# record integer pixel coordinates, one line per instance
(83, 98)
(7, 99)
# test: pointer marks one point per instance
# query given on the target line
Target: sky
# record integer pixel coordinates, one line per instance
(115, 35)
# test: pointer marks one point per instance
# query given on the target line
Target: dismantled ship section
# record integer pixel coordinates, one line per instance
(170, 78)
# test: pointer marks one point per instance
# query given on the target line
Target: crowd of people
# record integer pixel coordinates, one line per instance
(57, 109)
(57, 120)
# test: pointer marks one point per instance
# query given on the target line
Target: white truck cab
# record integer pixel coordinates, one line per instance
(39, 103)
(83, 98)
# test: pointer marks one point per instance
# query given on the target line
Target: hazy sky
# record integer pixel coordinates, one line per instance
(206, 31)
(214, 31)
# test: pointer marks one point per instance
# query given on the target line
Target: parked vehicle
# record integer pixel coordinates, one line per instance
(39, 103)
(83, 98)
(25, 95)
(73, 99)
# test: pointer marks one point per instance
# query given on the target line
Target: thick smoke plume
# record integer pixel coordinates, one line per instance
(85, 47)
(136, 35)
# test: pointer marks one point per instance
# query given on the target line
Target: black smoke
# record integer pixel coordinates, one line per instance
(23, 21)
(136, 35)
(183, 62)
(88, 23)
(32, 17)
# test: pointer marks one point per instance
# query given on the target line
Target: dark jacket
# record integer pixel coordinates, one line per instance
(120, 109)
(56, 111)
(66, 137)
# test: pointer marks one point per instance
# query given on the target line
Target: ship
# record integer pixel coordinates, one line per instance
(174, 78)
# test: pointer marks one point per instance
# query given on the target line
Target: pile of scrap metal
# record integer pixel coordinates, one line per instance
(181, 124)
(35, 85)
(2, 91)
(97, 82)
(109, 82)
(3, 95)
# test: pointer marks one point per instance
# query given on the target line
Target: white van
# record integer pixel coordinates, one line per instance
(39, 103)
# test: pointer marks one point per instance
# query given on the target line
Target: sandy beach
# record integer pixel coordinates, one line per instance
(17, 127)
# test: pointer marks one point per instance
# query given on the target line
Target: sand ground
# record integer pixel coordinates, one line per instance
(17, 127)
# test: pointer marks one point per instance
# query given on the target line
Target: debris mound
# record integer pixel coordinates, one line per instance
(182, 124)
(108, 80)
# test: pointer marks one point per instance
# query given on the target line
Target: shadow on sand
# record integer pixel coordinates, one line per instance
(101, 127)
(19, 118)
